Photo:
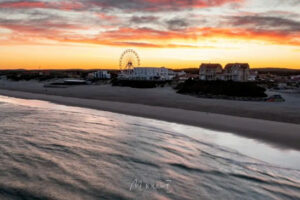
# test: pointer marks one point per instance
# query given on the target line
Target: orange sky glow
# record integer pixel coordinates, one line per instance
(64, 34)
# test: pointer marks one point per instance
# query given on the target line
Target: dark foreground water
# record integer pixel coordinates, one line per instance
(50, 151)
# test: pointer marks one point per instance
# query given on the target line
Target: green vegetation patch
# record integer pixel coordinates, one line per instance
(221, 88)
(138, 83)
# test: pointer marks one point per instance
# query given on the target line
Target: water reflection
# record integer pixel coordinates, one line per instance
(249, 147)
(88, 154)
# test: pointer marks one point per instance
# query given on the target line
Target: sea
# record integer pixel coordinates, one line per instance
(56, 152)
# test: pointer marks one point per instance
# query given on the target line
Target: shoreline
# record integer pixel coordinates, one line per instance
(288, 111)
(280, 134)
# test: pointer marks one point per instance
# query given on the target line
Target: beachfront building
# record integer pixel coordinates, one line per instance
(101, 75)
(210, 72)
(187, 76)
(295, 78)
(253, 76)
(237, 72)
(149, 73)
(233, 72)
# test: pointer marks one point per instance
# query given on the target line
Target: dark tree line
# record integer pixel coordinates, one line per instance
(221, 88)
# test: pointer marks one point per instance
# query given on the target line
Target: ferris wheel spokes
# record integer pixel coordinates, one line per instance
(128, 60)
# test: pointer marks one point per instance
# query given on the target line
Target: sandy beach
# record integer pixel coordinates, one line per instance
(288, 111)
(275, 123)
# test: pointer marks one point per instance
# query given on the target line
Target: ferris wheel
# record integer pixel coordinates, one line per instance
(128, 60)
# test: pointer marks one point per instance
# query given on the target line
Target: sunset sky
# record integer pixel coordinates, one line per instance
(173, 33)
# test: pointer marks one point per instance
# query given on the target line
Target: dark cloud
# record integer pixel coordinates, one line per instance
(124, 22)
(29, 4)
(177, 24)
(132, 5)
(156, 5)
(143, 19)
(266, 23)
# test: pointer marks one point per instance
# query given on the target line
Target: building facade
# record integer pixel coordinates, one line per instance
(210, 72)
(102, 74)
(149, 74)
(253, 76)
(237, 72)
(233, 72)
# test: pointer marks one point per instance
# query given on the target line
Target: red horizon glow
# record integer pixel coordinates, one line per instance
(168, 33)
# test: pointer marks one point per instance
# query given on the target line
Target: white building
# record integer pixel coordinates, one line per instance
(102, 74)
(296, 78)
(210, 72)
(149, 73)
(232, 72)
(237, 72)
(253, 76)
(181, 73)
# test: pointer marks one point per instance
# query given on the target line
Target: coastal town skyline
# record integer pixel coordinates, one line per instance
(62, 34)
(150, 99)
